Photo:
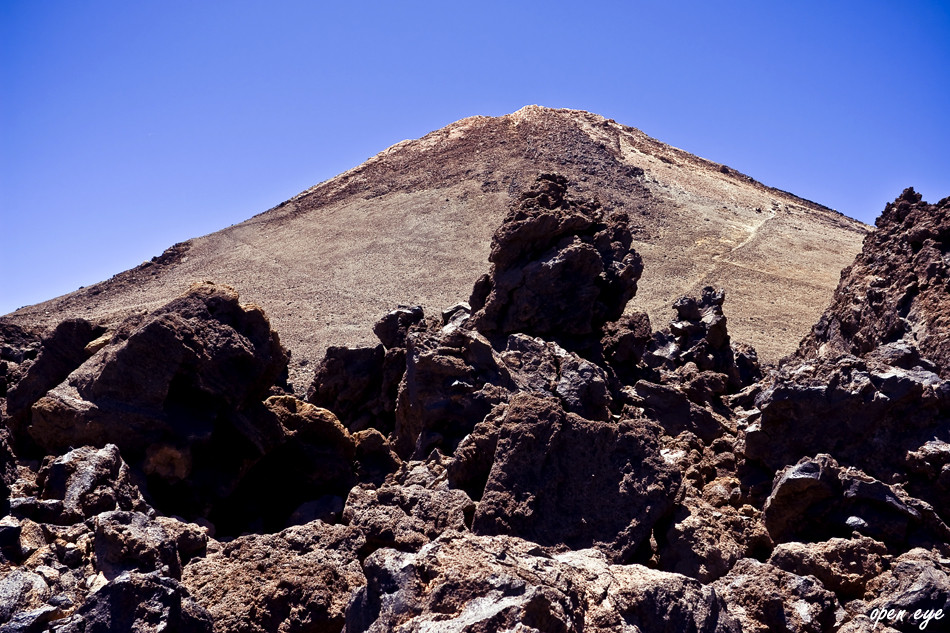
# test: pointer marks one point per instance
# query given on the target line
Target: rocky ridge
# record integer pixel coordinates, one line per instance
(535, 459)
(411, 224)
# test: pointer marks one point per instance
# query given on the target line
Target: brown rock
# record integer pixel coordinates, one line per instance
(298, 580)
(843, 566)
(549, 465)
(560, 267)
(765, 598)
(453, 379)
(499, 583)
(413, 507)
(897, 289)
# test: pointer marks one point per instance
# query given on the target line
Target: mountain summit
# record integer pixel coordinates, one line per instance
(414, 224)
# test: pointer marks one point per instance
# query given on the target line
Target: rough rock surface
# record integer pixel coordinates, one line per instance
(519, 464)
(548, 467)
(560, 267)
(296, 581)
(463, 582)
(174, 390)
(897, 290)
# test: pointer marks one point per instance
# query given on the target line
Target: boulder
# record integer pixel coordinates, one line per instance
(817, 499)
(697, 336)
(311, 456)
(865, 414)
(393, 327)
(844, 566)
(917, 583)
(139, 603)
(413, 507)
(176, 390)
(89, 481)
(545, 368)
(359, 385)
(463, 582)
(561, 267)
(896, 291)
(296, 581)
(763, 598)
(62, 351)
(453, 379)
(548, 467)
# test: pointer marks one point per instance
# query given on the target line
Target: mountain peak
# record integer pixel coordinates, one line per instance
(413, 225)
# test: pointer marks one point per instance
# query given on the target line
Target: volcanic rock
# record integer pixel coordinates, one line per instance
(492, 583)
(298, 580)
(817, 499)
(765, 598)
(143, 603)
(897, 290)
(453, 379)
(61, 352)
(698, 339)
(172, 391)
(312, 456)
(413, 507)
(560, 267)
(917, 582)
(844, 566)
(549, 465)
(823, 406)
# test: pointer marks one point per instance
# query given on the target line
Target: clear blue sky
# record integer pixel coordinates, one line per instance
(128, 126)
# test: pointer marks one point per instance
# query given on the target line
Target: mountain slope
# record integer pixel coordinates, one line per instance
(413, 225)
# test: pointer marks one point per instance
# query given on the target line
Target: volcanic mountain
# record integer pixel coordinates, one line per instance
(414, 224)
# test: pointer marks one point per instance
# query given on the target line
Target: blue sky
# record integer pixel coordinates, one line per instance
(128, 126)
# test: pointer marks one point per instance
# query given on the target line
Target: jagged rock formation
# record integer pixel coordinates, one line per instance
(521, 463)
(411, 224)
(892, 303)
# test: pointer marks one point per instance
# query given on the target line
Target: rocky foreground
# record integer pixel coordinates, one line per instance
(531, 460)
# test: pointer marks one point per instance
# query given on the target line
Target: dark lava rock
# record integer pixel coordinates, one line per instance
(413, 507)
(545, 368)
(165, 378)
(453, 379)
(697, 335)
(359, 385)
(918, 583)
(865, 414)
(299, 580)
(560, 267)
(817, 499)
(62, 351)
(464, 582)
(393, 327)
(89, 481)
(558, 479)
(624, 342)
(898, 288)
(311, 457)
(138, 603)
(763, 598)
(175, 390)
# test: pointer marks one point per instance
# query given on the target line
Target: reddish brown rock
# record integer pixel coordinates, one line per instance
(548, 467)
(844, 566)
(561, 267)
(897, 290)
(765, 598)
(297, 581)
